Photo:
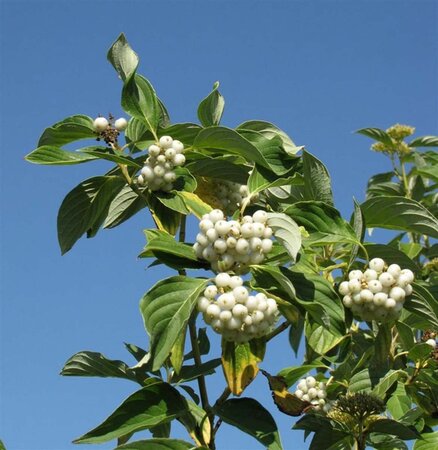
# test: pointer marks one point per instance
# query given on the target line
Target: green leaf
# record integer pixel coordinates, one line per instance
(197, 423)
(317, 183)
(385, 383)
(406, 335)
(165, 218)
(155, 404)
(240, 363)
(382, 346)
(55, 156)
(73, 128)
(227, 141)
(393, 427)
(360, 381)
(251, 417)
(137, 352)
(140, 101)
(211, 108)
(92, 364)
(167, 250)
(159, 444)
(399, 403)
(424, 141)
(376, 134)
(323, 222)
(279, 161)
(287, 232)
(423, 304)
(218, 168)
(269, 131)
(399, 213)
(123, 58)
(2, 446)
(194, 204)
(110, 155)
(427, 441)
(125, 204)
(261, 179)
(411, 249)
(420, 352)
(191, 372)
(166, 309)
(83, 207)
(320, 339)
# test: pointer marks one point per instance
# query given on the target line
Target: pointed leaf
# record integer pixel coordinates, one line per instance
(399, 213)
(251, 417)
(287, 232)
(377, 134)
(83, 207)
(70, 129)
(269, 130)
(240, 363)
(393, 427)
(211, 108)
(123, 58)
(166, 309)
(317, 183)
(92, 364)
(150, 406)
(55, 156)
(424, 141)
(427, 441)
(159, 444)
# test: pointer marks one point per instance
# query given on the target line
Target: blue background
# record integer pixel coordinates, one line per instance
(319, 70)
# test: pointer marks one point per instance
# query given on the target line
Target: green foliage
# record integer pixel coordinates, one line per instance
(381, 378)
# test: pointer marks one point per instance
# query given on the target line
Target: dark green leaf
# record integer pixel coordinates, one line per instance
(51, 155)
(150, 406)
(360, 381)
(191, 372)
(399, 213)
(420, 352)
(137, 352)
(393, 427)
(83, 207)
(70, 129)
(92, 364)
(269, 130)
(406, 335)
(110, 155)
(166, 309)
(218, 168)
(251, 417)
(225, 140)
(377, 134)
(159, 444)
(211, 108)
(123, 58)
(125, 205)
(424, 141)
(317, 183)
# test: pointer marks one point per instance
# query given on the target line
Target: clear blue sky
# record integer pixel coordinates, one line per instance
(317, 69)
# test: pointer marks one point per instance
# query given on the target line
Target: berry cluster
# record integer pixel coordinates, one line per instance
(313, 391)
(100, 124)
(227, 306)
(157, 172)
(230, 195)
(379, 292)
(233, 245)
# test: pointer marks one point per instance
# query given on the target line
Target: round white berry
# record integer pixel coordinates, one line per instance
(220, 246)
(177, 146)
(225, 315)
(203, 304)
(154, 150)
(121, 124)
(216, 214)
(380, 298)
(390, 303)
(305, 398)
(344, 288)
(147, 173)
(267, 245)
(234, 323)
(311, 382)
(268, 232)
(355, 275)
(299, 393)
(242, 246)
(260, 216)
(397, 293)
(366, 295)
(257, 316)
(210, 291)
(235, 281)
(240, 311)
(251, 303)
(377, 264)
(179, 159)
(386, 279)
(240, 294)
(394, 270)
(246, 230)
(347, 301)
(374, 286)
(100, 124)
(354, 285)
(408, 274)
(213, 311)
(258, 229)
(370, 274)
(165, 142)
(212, 234)
(408, 289)
(222, 279)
